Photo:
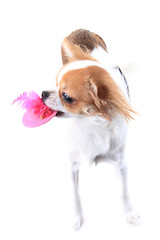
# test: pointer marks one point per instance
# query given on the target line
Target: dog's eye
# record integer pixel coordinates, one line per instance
(67, 98)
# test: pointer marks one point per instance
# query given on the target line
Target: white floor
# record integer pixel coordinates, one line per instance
(35, 187)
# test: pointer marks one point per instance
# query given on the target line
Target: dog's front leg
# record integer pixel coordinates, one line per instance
(77, 200)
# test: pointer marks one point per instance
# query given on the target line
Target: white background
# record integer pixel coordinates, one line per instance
(35, 187)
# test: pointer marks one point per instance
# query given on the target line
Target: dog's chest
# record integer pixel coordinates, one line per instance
(93, 138)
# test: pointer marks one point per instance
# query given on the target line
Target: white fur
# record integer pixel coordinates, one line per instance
(92, 136)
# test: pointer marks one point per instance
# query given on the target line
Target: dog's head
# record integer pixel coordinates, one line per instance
(84, 88)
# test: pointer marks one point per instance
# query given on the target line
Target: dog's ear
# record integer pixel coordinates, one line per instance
(108, 97)
(71, 52)
(99, 96)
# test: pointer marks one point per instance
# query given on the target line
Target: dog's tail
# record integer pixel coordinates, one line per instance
(130, 70)
(79, 44)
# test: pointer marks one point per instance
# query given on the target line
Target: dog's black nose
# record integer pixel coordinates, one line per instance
(45, 94)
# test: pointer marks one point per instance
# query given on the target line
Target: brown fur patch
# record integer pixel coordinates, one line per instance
(94, 92)
(76, 84)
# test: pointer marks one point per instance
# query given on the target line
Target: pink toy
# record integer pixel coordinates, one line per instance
(37, 113)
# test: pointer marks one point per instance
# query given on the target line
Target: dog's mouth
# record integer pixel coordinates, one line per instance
(44, 98)
(59, 114)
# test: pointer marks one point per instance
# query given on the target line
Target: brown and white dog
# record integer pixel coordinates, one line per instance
(92, 90)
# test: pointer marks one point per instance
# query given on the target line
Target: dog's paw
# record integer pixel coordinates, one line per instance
(78, 223)
(133, 218)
